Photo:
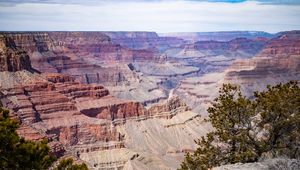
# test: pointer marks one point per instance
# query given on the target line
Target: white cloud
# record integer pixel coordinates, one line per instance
(160, 16)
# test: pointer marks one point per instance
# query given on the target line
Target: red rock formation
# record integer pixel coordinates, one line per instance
(111, 108)
(67, 46)
(58, 78)
(30, 42)
(11, 57)
(75, 53)
(61, 104)
(280, 55)
(288, 43)
(278, 62)
(171, 105)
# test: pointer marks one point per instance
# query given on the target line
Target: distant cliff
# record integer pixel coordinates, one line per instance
(219, 36)
(144, 40)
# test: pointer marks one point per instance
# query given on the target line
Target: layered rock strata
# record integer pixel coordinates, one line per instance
(85, 121)
(277, 62)
(219, 36)
(90, 57)
(144, 40)
(12, 58)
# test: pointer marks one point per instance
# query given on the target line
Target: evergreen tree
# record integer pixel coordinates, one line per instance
(279, 109)
(68, 164)
(19, 154)
(8, 140)
(245, 130)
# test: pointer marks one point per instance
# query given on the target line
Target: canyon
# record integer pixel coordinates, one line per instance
(132, 100)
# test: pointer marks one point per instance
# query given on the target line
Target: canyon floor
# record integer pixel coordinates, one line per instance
(132, 100)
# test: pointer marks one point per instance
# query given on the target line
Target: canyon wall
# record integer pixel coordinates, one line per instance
(277, 62)
(86, 122)
(75, 52)
(86, 91)
(103, 131)
(139, 66)
(144, 40)
(11, 57)
(219, 36)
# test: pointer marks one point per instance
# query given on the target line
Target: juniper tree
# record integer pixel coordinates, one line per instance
(19, 154)
(68, 164)
(279, 109)
(245, 130)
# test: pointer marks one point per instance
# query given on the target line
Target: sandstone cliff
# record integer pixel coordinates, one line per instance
(11, 57)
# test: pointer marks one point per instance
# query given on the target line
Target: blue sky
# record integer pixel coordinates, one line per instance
(149, 15)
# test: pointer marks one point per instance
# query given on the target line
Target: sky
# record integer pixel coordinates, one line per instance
(150, 15)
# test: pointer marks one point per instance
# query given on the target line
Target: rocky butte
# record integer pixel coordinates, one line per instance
(124, 100)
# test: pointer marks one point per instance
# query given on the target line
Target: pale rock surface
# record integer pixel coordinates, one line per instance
(269, 164)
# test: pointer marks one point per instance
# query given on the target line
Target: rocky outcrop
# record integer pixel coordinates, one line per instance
(31, 41)
(111, 108)
(52, 109)
(168, 109)
(68, 97)
(12, 58)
